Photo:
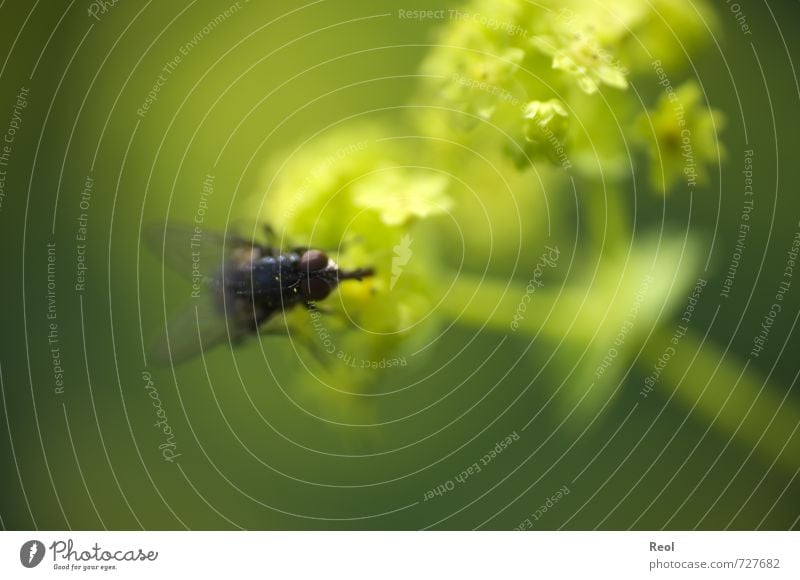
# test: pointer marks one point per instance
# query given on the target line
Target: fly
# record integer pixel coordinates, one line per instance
(237, 286)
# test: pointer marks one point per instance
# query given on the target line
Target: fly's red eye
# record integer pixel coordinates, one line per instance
(313, 261)
(316, 289)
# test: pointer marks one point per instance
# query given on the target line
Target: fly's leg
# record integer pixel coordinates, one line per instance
(242, 244)
(273, 242)
(269, 235)
(272, 239)
(314, 307)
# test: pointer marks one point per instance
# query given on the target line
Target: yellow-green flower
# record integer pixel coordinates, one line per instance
(681, 135)
(360, 197)
(400, 196)
(578, 53)
(546, 128)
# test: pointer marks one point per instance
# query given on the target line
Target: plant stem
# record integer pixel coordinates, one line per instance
(718, 388)
(736, 401)
(547, 313)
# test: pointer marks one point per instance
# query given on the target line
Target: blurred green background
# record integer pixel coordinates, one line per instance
(263, 443)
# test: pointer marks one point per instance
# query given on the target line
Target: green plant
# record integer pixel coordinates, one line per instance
(525, 111)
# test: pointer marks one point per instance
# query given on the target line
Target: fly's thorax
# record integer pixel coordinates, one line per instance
(287, 278)
(274, 276)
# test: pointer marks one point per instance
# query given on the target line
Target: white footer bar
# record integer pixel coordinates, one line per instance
(416, 555)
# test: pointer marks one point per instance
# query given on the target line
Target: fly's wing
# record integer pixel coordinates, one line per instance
(206, 321)
(197, 254)
(199, 326)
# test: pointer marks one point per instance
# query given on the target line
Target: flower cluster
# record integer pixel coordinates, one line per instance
(356, 195)
(573, 68)
(548, 84)
(681, 136)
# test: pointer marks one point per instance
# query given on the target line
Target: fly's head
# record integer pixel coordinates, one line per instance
(320, 275)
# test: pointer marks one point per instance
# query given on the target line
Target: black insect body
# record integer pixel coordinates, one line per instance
(248, 285)
(278, 282)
